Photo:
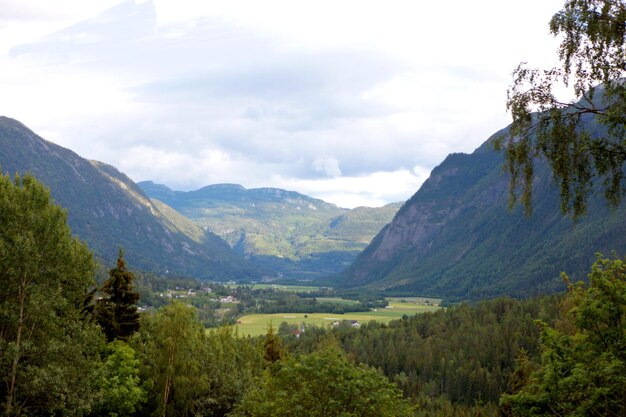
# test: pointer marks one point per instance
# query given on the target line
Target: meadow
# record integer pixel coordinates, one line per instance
(257, 324)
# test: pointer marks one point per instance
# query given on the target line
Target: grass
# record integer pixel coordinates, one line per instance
(257, 324)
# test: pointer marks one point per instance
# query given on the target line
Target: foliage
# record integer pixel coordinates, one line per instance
(272, 347)
(48, 352)
(593, 56)
(464, 353)
(116, 312)
(323, 383)
(270, 302)
(170, 346)
(231, 365)
(189, 372)
(583, 361)
(120, 385)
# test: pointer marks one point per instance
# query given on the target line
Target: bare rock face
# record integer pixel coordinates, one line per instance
(457, 239)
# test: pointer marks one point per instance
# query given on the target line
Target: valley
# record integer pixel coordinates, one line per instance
(488, 277)
(295, 235)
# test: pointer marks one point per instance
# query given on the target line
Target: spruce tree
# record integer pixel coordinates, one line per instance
(116, 312)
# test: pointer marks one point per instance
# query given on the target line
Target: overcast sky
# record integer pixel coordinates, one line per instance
(353, 102)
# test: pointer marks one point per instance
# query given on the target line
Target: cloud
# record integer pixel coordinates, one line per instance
(373, 190)
(328, 166)
(341, 100)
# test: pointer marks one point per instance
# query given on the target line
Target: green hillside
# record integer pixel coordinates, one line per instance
(297, 235)
(456, 239)
(107, 210)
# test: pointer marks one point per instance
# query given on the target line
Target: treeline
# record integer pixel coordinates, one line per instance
(269, 301)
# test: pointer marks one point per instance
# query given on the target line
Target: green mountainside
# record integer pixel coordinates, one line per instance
(300, 236)
(107, 210)
(456, 239)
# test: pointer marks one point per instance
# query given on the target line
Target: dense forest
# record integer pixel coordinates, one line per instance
(71, 348)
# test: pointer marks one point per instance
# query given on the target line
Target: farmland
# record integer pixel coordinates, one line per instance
(257, 324)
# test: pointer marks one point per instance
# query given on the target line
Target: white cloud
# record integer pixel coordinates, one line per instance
(336, 99)
(328, 166)
(372, 190)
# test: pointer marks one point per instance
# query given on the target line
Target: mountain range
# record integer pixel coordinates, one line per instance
(294, 234)
(455, 238)
(267, 232)
(108, 211)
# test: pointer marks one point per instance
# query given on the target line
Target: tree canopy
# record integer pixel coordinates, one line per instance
(583, 139)
(323, 383)
(48, 352)
(583, 361)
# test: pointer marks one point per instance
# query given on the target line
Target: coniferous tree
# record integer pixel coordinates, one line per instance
(272, 346)
(116, 312)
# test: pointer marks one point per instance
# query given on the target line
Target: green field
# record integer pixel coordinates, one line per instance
(257, 324)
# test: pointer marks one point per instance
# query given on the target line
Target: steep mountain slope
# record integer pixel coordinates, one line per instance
(108, 211)
(298, 235)
(455, 238)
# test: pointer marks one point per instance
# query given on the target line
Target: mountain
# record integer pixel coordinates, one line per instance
(108, 210)
(456, 239)
(300, 236)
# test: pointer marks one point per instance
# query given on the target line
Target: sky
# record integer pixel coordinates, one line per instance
(353, 102)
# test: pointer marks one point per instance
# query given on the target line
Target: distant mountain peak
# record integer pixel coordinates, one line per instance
(224, 186)
(291, 232)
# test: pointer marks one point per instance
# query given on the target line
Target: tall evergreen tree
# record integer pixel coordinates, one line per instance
(117, 312)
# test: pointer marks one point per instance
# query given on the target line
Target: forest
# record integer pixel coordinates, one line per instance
(71, 348)
(71, 345)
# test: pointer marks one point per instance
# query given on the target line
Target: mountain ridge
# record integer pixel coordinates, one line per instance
(108, 210)
(455, 237)
(295, 234)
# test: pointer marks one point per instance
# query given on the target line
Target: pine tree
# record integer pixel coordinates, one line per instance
(116, 312)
